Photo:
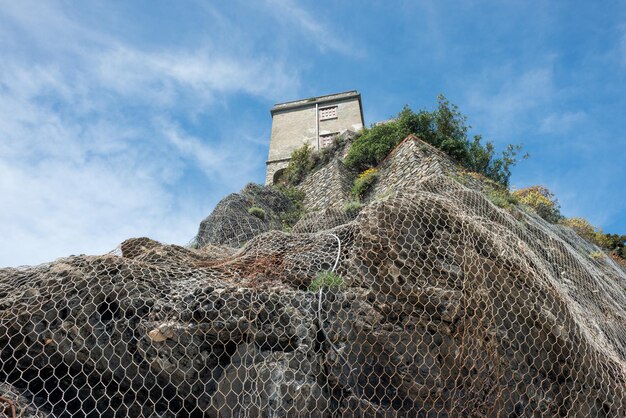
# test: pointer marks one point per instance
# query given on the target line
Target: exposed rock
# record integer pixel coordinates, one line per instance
(449, 307)
(14, 404)
(230, 223)
(436, 318)
(322, 220)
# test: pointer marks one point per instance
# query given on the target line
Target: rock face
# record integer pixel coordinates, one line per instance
(322, 220)
(231, 224)
(448, 306)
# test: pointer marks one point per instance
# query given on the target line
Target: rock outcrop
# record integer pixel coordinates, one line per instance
(231, 224)
(448, 306)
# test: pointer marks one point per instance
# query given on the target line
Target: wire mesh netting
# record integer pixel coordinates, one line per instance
(432, 302)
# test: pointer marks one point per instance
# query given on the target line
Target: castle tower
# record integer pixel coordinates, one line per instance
(313, 121)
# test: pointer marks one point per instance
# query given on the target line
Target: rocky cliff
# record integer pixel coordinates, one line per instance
(446, 305)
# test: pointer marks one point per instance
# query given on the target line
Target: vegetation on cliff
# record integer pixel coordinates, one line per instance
(541, 200)
(290, 217)
(364, 182)
(445, 128)
(544, 202)
(613, 243)
(306, 159)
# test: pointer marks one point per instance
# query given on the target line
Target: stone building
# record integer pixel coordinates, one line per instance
(314, 121)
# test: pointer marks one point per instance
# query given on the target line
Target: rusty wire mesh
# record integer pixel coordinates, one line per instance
(440, 304)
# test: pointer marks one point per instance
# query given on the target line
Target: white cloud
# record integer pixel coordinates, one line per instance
(71, 185)
(503, 111)
(556, 123)
(324, 36)
(228, 161)
(90, 151)
(48, 27)
(161, 77)
(56, 208)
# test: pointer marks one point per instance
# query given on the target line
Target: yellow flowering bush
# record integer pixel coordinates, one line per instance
(364, 182)
(541, 200)
(589, 232)
(367, 173)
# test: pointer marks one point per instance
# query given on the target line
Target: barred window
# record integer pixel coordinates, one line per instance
(328, 113)
(326, 140)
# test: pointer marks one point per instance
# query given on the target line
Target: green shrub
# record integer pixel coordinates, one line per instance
(372, 146)
(258, 212)
(613, 242)
(501, 198)
(326, 279)
(364, 183)
(582, 227)
(302, 161)
(290, 217)
(305, 159)
(295, 195)
(617, 245)
(352, 208)
(445, 128)
(541, 200)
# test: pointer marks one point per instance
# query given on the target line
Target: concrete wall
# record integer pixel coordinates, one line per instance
(348, 117)
(292, 128)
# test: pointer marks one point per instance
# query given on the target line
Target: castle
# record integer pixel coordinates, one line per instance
(314, 121)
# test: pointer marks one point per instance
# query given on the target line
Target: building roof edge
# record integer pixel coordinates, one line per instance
(294, 104)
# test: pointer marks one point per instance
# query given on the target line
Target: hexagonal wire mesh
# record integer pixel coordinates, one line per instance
(432, 302)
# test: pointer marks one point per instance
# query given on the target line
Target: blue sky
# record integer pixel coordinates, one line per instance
(123, 119)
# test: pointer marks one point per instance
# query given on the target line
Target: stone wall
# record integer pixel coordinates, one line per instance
(412, 161)
(328, 187)
(408, 164)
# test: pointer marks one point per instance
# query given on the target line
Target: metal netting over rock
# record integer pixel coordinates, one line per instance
(322, 220)
(232, 222)
(432, 302)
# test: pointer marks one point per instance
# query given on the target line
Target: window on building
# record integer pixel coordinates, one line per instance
(328, 112)
(326, 140)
